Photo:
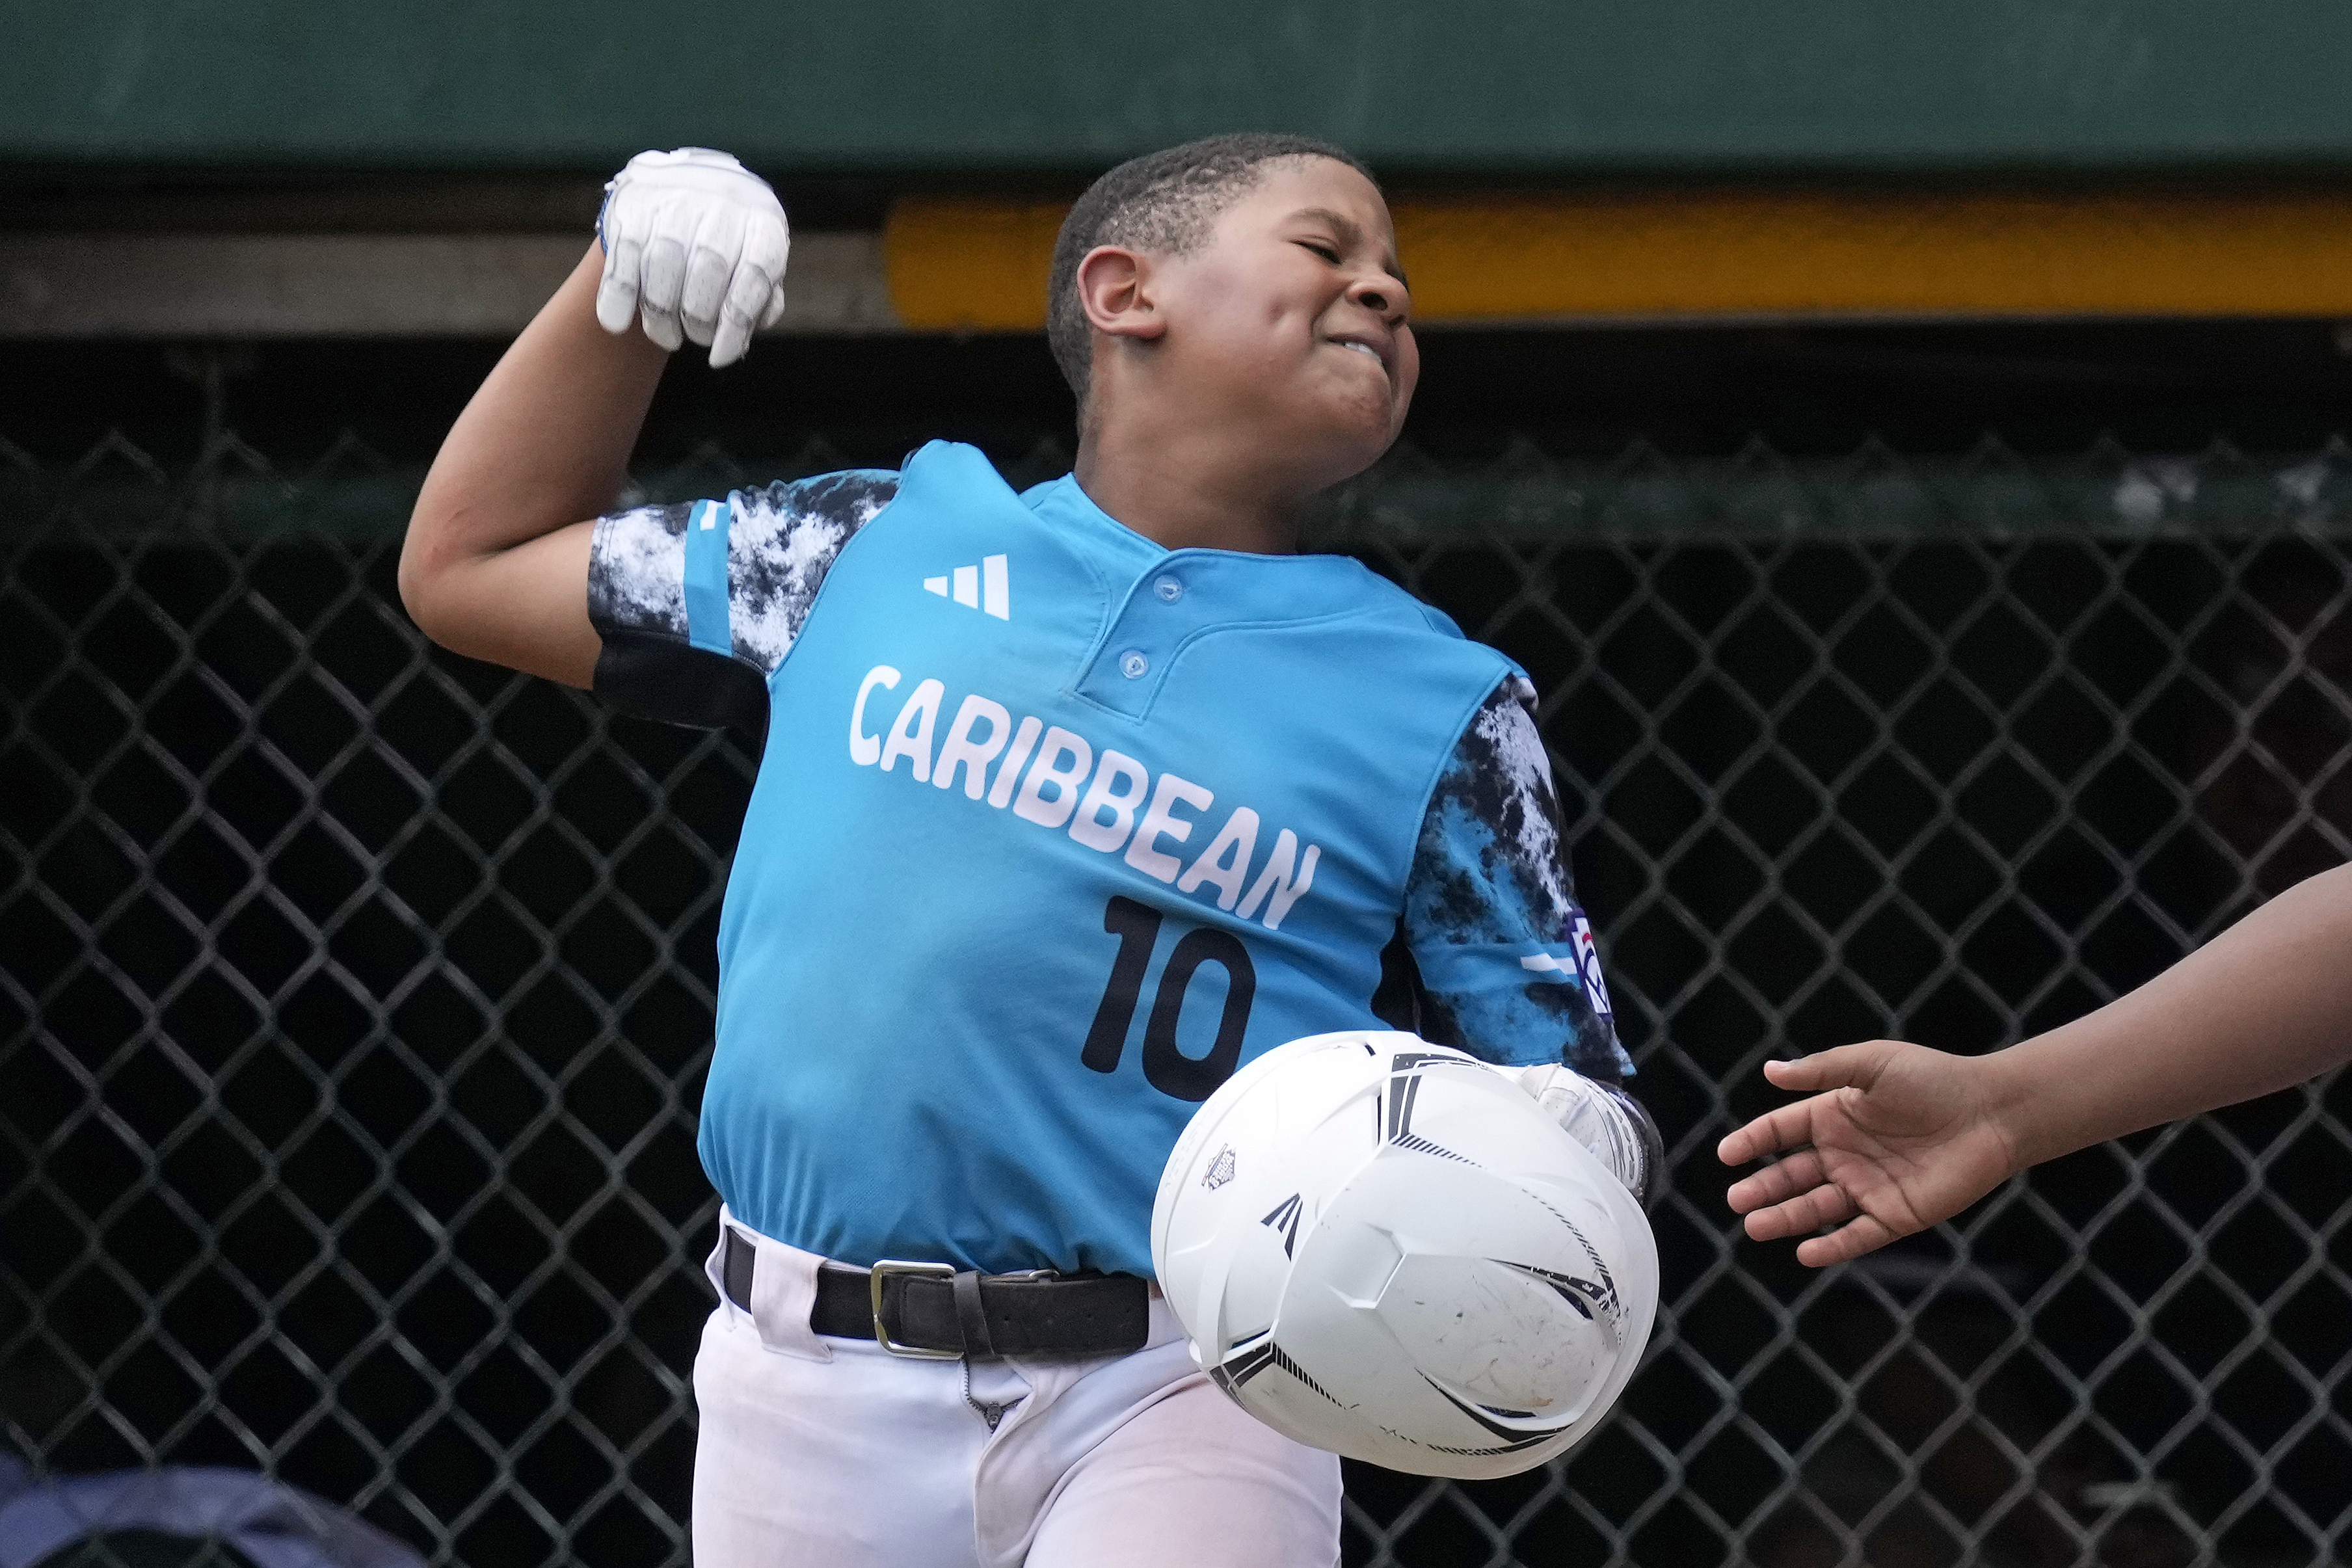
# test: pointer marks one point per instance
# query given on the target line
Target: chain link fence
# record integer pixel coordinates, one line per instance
(355, 998)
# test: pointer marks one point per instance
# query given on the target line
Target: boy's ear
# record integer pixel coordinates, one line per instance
(1115, 289)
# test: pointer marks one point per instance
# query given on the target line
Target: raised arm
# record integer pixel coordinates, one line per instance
(496, 562)
(1897, 1137)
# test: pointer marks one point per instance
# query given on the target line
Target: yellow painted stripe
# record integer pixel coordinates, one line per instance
(981, 265)
(970, 265)
(1745, 253)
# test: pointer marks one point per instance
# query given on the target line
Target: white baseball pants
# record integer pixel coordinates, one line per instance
(834, 1453)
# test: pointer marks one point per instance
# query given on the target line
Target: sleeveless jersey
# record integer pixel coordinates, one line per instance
(1054, 829)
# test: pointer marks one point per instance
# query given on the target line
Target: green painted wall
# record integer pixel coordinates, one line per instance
(1578, 86)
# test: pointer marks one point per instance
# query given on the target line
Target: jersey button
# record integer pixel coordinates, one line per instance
(1169, 590)
(1132, 663)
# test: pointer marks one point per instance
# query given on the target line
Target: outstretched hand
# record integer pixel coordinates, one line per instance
(1895, 1138)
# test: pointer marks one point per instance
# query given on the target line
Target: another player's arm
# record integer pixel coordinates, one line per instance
(496, 562)
(1898, 1137)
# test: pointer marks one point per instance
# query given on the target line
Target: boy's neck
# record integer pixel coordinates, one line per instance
(1190, 489)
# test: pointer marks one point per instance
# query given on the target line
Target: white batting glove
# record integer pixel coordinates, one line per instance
(1607, 1121)
(694, 246)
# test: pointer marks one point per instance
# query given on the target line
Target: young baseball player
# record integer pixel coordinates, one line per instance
(1070, 801)
(1897, 1137)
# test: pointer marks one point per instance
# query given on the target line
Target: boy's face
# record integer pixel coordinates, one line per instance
(1291, 320)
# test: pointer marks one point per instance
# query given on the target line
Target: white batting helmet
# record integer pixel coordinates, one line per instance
(1383, 1247)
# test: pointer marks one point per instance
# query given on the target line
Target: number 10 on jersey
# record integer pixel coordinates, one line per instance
(1166, 1068)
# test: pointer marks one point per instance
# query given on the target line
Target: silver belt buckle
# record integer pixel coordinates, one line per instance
(882, 1271)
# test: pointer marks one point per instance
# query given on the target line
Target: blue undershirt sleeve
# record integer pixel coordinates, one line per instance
(1507, 963)
(697, 602)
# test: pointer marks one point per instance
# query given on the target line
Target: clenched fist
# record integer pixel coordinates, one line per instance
(694, 246)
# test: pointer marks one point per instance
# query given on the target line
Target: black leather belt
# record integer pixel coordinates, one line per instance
(932, 1311)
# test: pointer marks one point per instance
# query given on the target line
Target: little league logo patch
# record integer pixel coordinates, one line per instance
(1588, 958)
(1221, 1169)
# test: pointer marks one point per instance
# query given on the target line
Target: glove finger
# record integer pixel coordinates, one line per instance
(616, 291)
(661, 326)
(766, 246)
(662, 277)
(710, 264)
(731, 339)
(748, 299)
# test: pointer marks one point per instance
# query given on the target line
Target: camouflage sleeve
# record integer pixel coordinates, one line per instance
(692, 628)
(1507, 969)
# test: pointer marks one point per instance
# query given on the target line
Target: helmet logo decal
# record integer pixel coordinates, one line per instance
(1404, 1089)
(1284, 1218)
(1246, 1363)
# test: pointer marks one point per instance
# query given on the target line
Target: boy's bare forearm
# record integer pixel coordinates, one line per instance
(546, 439)
(544, 445)
(2266, 1004)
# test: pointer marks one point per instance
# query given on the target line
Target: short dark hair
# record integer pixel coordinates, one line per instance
(1164, 201)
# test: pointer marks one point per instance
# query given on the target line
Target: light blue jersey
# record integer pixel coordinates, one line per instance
(1054, 829)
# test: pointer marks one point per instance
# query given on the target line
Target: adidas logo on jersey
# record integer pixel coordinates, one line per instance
(986, 587)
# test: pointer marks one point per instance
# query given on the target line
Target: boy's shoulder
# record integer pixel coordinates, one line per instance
(1400, 603)
(849, 498)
